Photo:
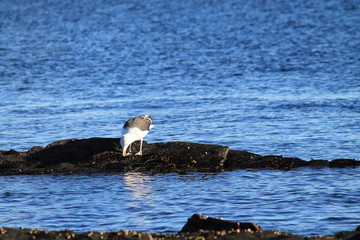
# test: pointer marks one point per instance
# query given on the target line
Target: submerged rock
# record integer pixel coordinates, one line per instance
(104, 155)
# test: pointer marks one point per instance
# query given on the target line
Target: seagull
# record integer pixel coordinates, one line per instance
(135, 129)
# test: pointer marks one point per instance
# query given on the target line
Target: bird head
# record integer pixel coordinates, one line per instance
(122, 142)
(148, 117)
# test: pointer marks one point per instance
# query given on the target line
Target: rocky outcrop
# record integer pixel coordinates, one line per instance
(198, 227)
(104, 155)
(71, 151)
(244, 159)
(199, 222)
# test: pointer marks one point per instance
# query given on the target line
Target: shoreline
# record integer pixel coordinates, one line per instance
(198, 227)
(103, 155)
(30, 234)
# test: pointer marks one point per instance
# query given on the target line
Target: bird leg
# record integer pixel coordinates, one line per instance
(141, 143)
(129, 153)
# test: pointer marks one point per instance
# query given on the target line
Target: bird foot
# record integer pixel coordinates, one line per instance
(129, 154)
(139, 154)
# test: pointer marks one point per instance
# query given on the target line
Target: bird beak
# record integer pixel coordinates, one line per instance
(123, 146)
(124, 151)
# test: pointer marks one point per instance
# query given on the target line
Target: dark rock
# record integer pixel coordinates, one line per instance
(318, 163)
(73, 150)
(168, 157)
(199, 222)
(280, 162)
(355, 237)
(12, 162)
(63, 167)
(226, 230)
(348, 235)
(104, 155)
(35, 149)
(240, 159)
(188, 156)
(26, 234)
(342, 163)
(243, 159)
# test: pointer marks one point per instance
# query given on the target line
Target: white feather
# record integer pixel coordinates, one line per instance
(131, 135)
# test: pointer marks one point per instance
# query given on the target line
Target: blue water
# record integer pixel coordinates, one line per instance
(270, 77)
(305, 201)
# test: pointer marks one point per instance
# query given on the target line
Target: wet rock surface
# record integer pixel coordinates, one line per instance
(199, 222)
(94, 155)
(198, 227)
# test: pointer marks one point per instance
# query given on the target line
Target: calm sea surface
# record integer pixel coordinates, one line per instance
(270, 77)
(301, 201)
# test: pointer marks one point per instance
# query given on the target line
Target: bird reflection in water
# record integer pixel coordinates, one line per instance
(139, 192)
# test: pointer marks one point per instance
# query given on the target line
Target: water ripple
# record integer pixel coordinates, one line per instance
(303, 201)
(267, 77)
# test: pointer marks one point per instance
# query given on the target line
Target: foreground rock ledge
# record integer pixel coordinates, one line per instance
(198, 227)
(96, 155)
(31, 234)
